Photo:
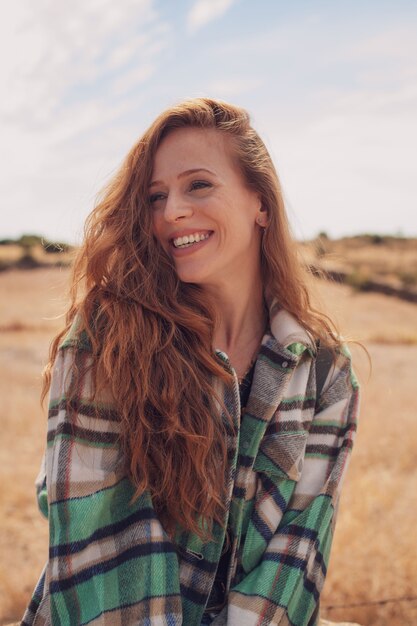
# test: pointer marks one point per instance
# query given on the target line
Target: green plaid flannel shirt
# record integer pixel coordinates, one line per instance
(110, 560)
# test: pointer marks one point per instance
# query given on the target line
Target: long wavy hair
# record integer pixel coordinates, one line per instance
(151, 335)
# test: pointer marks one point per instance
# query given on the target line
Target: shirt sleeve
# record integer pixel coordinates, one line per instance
(40, 486)
(284, 588)
(110, 561)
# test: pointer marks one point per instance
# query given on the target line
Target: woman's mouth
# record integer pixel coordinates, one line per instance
(192, 240)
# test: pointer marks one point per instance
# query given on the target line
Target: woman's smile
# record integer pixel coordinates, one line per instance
(189, 243)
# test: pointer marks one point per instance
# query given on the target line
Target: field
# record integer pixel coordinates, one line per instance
(385, 259)
(373, 557)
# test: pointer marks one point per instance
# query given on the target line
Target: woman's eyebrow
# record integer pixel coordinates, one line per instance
(183, 174)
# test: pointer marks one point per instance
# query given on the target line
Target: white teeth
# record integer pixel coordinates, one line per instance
(187, 241)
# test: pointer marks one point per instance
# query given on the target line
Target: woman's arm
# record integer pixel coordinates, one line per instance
(285, 586)
(110, 560)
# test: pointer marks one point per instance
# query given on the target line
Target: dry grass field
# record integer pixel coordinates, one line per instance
(374, 552)
(390, 260)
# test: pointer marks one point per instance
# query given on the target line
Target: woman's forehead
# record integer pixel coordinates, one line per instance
(192, 148)
(207, 141)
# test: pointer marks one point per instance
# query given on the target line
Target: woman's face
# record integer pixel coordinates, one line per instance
(204, 216)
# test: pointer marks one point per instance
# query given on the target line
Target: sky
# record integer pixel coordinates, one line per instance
(331, 87)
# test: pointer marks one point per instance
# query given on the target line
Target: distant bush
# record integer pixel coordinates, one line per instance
(28, 241)
(378, 240)
(358, 280)
(321, 247)
(408, 278)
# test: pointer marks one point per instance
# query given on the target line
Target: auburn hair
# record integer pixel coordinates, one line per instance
(151, 335)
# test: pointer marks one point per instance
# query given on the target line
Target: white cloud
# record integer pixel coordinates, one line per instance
(68, 71)
(124, 52)
(204, 11)
(131, 79)
(232, 87)
(344, 140)
(393, 43)
(354, 166)
(56, 54)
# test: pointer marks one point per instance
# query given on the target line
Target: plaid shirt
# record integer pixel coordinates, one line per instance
(110, 560)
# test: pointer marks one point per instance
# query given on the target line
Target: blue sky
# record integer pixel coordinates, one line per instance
(331, 87)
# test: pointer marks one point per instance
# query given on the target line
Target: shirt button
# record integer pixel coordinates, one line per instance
(245, 445)
(284, 364)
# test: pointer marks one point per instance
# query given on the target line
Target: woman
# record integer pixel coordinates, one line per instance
(192, 471)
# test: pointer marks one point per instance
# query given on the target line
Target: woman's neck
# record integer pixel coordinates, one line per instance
(241, 319)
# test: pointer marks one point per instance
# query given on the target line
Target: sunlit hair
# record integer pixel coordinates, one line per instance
(151, 334)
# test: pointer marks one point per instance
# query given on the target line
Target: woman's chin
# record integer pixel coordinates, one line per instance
(188, 275)
(190, 278)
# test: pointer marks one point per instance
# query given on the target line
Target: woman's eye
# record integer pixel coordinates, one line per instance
(199, 184)
(155, 197)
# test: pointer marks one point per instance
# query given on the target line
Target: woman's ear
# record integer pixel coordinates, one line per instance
(262, 217)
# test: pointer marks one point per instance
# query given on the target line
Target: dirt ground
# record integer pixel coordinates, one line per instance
(373, 557)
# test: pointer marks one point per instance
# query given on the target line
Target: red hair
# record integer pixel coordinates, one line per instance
(151, 335)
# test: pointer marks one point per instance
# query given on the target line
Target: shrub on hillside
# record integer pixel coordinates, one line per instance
(358, 280)
(28, 241)
(408, 278)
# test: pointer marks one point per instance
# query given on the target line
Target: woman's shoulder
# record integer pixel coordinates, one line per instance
(76, 337)
(293, 336)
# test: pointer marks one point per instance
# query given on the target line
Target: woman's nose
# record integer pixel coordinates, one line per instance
(176, 207)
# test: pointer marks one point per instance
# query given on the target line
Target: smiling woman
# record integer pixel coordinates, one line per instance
(197, 436)
(211, 202)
